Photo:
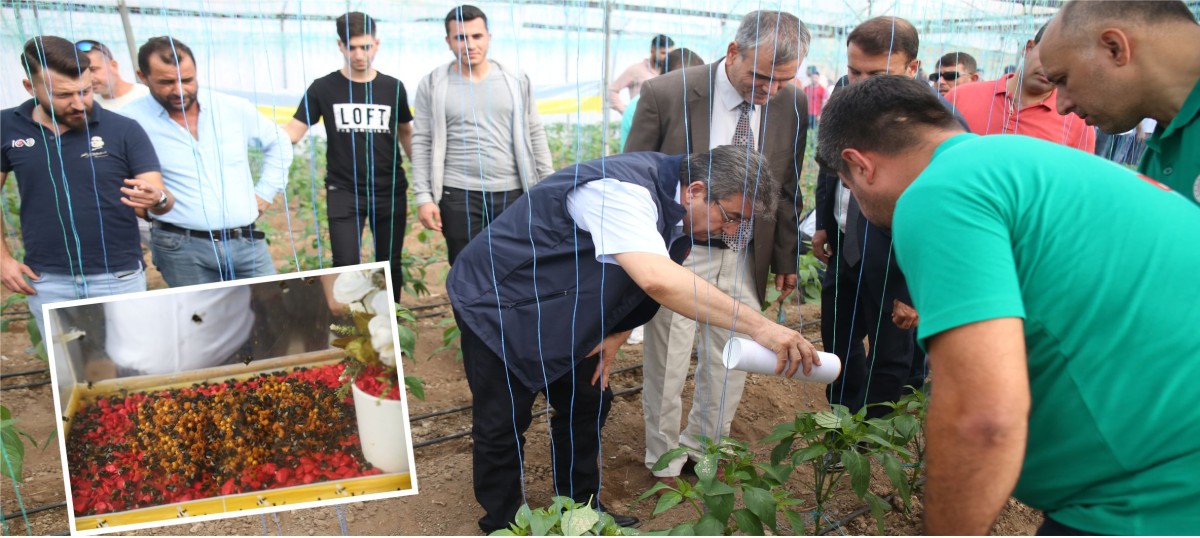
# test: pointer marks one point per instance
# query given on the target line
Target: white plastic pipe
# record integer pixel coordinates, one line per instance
(749, 356)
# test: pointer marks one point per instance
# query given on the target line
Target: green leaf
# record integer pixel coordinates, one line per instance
(717, 488)
(658, 486)
(579, 521)
(762, 504)
(667, 501)
(747, 522)
(12, 456)
(859, 468)
(895, 473)
(667, 458)
(777, 473)
(809, 453)
(710, 525)
(683, 529)
(13, 299)
(720, 506)
(408, 339)
(795, 521)
(415, 385)
(541, 523)
(503, 532)
(781, 451)
(706, 468)
(827, 419)
(907, 426)
(878, 507)
(522, 517)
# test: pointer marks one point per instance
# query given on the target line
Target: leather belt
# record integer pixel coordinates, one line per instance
(248, 232)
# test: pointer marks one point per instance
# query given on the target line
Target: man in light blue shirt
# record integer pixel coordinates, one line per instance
(201, 138)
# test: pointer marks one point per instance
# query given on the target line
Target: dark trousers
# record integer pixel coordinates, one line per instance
(502, 411)
(1053, 528)
(853, 308)
(387, 218)
(466, 213)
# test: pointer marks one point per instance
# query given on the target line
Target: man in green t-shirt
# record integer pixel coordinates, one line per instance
(1063, 370)
(1116, 62)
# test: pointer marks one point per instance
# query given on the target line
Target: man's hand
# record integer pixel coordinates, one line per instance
(785, 284)
(904, 316)
(141, 194)
(262, 204)
(820, 245)
(12, 274)
(791, 348)
(431, 216)
(608, 348)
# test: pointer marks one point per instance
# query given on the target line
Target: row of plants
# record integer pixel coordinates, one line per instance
(737, 490)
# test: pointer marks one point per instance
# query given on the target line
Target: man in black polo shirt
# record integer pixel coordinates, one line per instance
(84, 176)
(367, 120)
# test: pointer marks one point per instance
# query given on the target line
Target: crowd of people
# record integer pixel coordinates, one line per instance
(1053, 290)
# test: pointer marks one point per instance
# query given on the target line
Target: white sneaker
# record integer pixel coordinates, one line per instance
(635, 337)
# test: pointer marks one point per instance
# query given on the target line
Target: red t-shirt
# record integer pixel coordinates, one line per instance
(816, 98)
(988, 109)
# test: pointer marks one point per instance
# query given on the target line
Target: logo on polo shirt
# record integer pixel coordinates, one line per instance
(97, 151)
(23, 143)
(1196, 189)
(361, 118)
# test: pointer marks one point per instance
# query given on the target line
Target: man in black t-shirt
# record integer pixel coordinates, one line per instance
(366, 118)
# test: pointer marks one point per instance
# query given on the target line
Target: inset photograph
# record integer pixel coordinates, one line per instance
(231, 399)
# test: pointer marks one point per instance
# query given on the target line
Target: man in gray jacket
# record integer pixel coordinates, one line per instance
(478, 142)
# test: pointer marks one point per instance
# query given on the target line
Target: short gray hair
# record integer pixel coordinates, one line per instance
(773, 31)
(733, 171)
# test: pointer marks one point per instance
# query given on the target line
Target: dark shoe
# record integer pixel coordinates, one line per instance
(622, 520)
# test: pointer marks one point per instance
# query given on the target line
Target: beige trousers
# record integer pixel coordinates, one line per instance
(668, 351)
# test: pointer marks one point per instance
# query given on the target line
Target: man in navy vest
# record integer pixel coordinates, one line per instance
(549, 292)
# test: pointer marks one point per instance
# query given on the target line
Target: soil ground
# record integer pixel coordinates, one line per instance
(445, 504)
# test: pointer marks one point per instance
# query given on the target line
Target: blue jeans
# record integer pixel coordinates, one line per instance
(184, 260)
(58, 287)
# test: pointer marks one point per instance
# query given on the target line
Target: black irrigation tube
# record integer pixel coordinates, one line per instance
(457, 409)
(26, 385)
(851, 516)
(25, 373)
(43, 508)
(428, 306)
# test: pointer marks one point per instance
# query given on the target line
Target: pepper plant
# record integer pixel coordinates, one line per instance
(564, 517)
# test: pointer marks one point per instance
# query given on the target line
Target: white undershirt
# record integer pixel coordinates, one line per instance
(620, 216)
(178, 332)
(725, 113)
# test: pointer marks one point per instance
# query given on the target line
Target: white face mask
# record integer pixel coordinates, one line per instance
(738, 240)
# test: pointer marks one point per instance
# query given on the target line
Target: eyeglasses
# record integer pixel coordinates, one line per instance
(87, 45)
(950, 76)
(727, 219)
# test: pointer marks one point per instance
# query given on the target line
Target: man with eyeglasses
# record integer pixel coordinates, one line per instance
(367, 121)
(1022, 103)
(746, 99)
(108, 87)
(84, 175)
(547, 311)
(953, 70)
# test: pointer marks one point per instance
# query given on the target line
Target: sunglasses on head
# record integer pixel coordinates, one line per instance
(87, 45)
(949, 75)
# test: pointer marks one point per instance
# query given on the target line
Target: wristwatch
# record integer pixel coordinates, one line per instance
(162, 200)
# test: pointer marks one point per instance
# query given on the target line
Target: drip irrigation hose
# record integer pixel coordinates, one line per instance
(25, 373)
(43, 508)
(26, 385)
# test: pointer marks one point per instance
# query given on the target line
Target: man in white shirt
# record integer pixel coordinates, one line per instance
(108, 88)
(745, 99)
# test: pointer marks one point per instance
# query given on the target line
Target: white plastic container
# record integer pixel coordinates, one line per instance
(749, 356)
(382, 431)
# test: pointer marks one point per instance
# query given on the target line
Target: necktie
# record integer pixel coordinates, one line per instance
(742, 135)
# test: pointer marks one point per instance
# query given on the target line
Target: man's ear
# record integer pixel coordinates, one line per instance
(141, 78)
(1116, 46)
(28, 86)
(696, 189)
(860, 165)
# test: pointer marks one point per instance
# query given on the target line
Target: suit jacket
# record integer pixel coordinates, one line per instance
(673, 117)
